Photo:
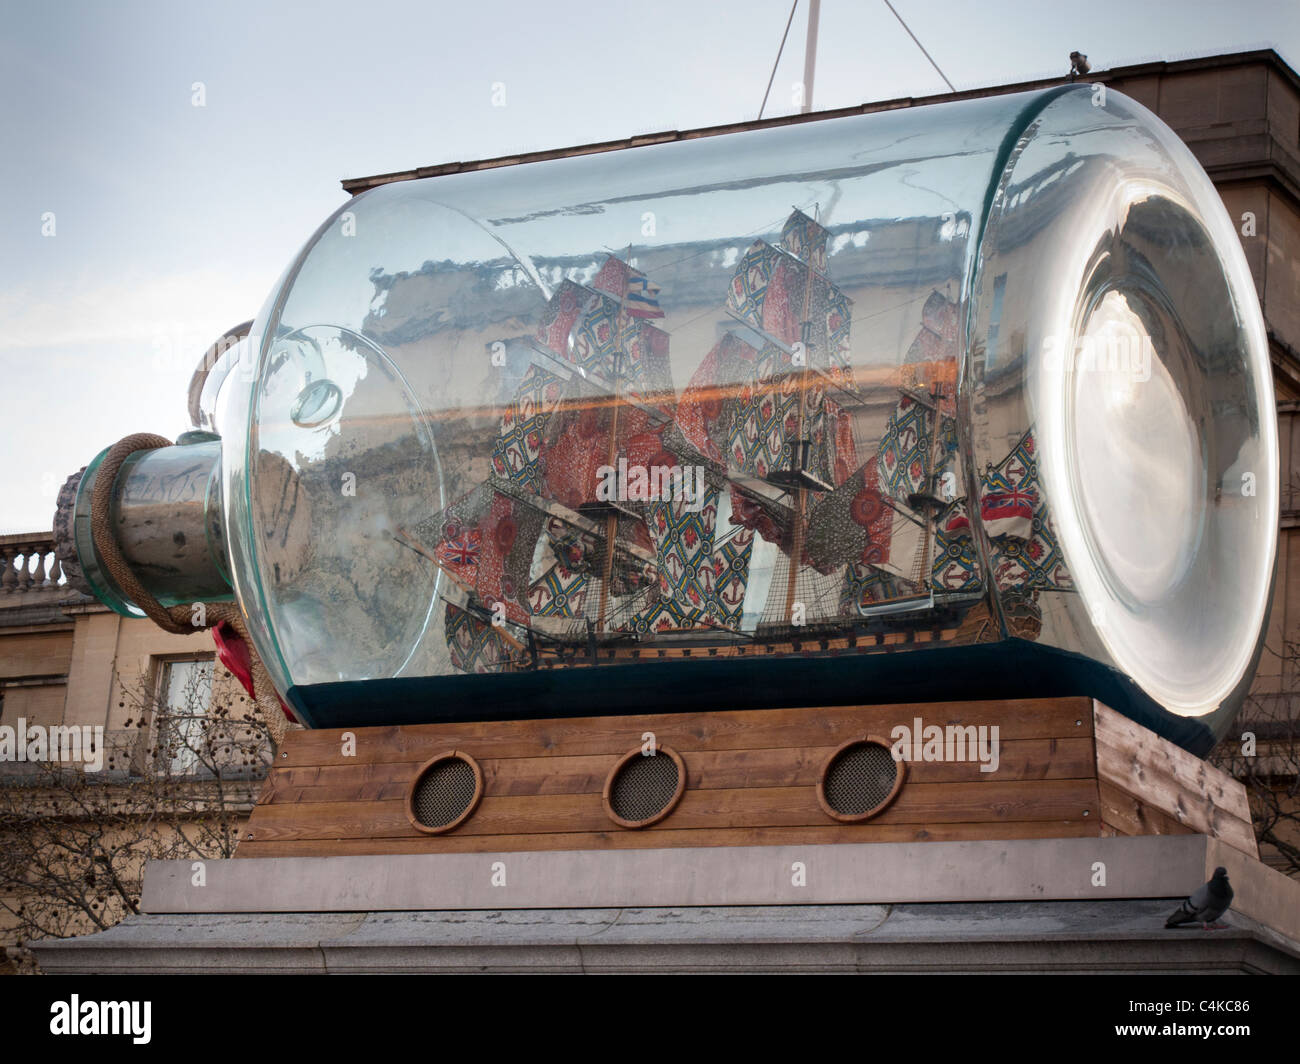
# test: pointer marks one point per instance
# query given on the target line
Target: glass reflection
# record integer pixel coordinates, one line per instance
(984, 373)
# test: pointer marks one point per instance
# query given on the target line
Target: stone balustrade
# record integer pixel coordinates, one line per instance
(28, 564)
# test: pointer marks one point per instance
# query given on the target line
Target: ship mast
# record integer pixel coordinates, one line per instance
(611, 519)
(797, 450)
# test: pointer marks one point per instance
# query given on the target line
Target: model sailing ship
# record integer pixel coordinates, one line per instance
(618, 513)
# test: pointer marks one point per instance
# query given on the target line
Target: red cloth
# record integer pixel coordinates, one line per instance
(233, 653)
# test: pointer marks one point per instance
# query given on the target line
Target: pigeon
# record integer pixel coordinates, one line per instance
(1206, 904)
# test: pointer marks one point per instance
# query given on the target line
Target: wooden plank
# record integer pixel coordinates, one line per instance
(267, 794)
(1167, 779)
(1162, 793)
(749, 771)
(919, 803)
(1127, 815)
(721, 730)
(707, 770)
(1150, 751)
(660, 838)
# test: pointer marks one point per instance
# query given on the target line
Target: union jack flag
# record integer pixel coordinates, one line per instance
(1009, 512)
(461, 551)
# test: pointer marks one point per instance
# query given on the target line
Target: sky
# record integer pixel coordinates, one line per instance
(164, 162)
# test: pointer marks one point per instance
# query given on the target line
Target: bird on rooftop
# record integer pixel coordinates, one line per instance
(1206, 904)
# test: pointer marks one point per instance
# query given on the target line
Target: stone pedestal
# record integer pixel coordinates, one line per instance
(1029, 905)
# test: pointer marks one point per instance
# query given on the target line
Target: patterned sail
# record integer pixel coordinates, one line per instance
(784, 295)
(769, 291)
(517, 452)
(475, 644)
(805, 240)
(705, 412)
(924, 544)
(758, 410)
(702, 576)
(534, 541)
(768, 418)
(1026, 551)
(485, 543)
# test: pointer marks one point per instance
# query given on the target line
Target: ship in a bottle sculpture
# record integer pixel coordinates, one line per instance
(970, 401)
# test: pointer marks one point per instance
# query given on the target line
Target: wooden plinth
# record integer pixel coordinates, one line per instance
(1067, 767)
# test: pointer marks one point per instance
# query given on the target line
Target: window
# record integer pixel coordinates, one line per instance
(184, 696)
(995, 315)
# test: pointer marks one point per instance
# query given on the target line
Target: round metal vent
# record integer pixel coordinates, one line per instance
(643, 788)
(446, 791)
(860, 780)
